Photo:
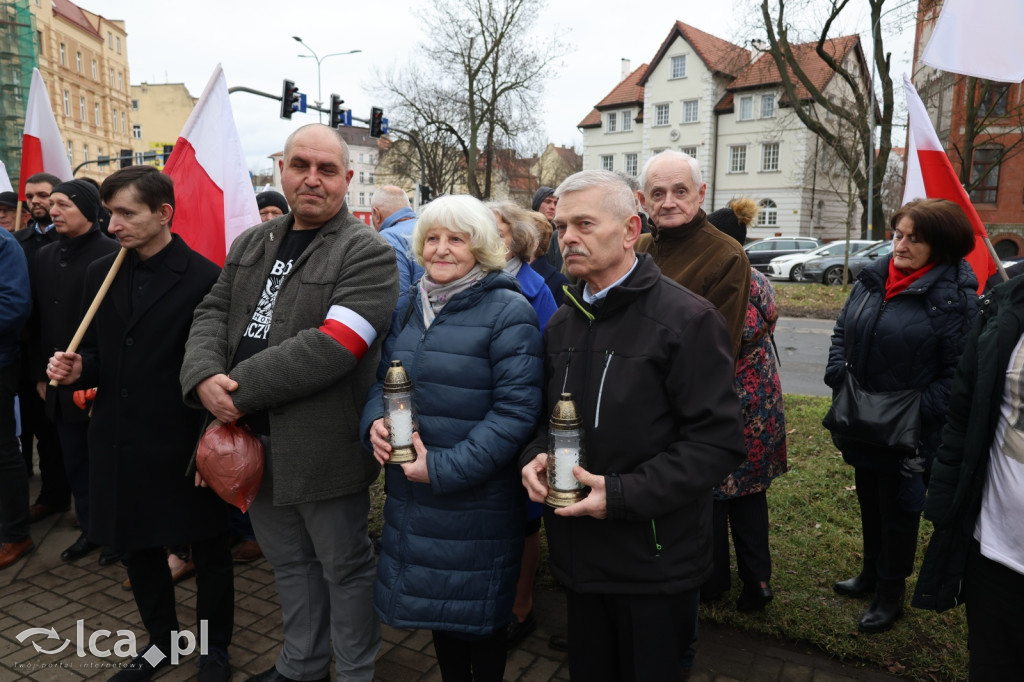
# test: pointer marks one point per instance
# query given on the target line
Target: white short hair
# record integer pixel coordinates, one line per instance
(617, 197)
(467, 215)
(695, 173)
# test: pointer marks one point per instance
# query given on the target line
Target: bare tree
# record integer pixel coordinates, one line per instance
(480, 81)
(991, 122)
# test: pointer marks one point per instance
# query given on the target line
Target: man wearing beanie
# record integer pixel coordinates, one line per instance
(271, 204)
(9, 211)
(544, 201)
(58, 279)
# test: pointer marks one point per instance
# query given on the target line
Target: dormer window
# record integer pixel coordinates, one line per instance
(610, 122)
(679, 66)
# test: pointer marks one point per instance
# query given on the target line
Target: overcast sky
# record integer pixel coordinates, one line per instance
(181, 42)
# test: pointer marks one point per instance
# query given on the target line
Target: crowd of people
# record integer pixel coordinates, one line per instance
(630, 301)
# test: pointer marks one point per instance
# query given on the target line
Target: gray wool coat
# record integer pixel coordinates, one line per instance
(312, 386)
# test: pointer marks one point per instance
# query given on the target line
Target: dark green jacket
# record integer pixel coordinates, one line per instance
(961, 463)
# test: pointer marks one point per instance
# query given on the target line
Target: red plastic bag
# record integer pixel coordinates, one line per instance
(230, 460)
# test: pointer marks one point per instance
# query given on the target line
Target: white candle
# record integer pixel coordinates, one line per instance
(565, 460)
(401, 428)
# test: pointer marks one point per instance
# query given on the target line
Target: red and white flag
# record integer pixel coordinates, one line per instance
(930, 175)
(42, 149)
(213, 195)
(979, 38)
(5, 180)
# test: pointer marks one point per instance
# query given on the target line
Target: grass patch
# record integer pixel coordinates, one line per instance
(816, 540)
(810, 300)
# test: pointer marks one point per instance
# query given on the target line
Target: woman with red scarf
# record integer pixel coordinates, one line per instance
(906, 321)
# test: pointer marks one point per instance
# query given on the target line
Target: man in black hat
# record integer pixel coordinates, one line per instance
(58, 279)
(544, 201)
(271, 204)
(9, 211)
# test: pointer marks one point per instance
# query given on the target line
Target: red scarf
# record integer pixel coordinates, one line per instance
(897, 281)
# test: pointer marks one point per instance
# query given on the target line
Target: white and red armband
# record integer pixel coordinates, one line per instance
(350, 329)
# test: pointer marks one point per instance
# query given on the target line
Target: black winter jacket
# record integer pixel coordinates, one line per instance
(961, 464)
(913, 340)
(651, 371)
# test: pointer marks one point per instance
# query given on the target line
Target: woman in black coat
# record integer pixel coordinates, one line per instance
(914, 312)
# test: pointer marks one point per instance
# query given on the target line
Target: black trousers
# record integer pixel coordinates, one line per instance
(13, 476)
(215, 592)
(74, 445)
(55, 490)
(630, 638)
(890, 533)
(995, 619)
(470, 660)
(747, 517)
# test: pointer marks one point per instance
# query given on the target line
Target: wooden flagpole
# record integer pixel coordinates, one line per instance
(95, 305)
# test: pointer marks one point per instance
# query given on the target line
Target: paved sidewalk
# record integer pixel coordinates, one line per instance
(41, 591)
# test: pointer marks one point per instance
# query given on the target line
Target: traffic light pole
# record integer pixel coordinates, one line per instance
(278, 98)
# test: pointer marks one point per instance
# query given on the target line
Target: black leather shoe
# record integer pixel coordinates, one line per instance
(882, 614)
(140, 669)
(558, 642)
(860, 586)
(754, 597)
(273, 676)
(517, 631)
(110, 556)
(81, 548)
(214, 666)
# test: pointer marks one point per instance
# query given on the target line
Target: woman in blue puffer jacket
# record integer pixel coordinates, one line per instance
(453, 519)
(915, 310)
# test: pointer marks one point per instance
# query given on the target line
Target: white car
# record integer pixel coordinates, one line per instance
(791, 267)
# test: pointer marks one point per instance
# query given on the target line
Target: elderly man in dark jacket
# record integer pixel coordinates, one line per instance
(650, 367)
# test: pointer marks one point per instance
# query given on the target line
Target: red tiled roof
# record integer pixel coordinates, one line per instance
(719, 55)
(74, 14)
(626, 92)
(764, 71)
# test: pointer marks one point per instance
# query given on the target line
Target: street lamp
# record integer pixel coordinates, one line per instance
(319, 60)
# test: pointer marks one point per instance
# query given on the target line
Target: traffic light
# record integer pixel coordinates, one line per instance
(168, 148)
(376, 121)
(289, 99)
(426, 194)
(337, 113)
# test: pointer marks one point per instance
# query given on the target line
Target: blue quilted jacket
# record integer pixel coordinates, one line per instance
(913, 340)
(451, 549)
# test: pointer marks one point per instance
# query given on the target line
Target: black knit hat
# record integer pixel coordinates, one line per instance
(82, 194)
(9, 199)
(271, 198)
(725, 220)
(540, 195)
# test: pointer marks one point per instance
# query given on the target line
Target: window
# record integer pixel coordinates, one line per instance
(71, 153)
(110, 40)
(67, 103)
(610, 121)
(679, 66)
(81, 108)
(746, 108)
(630, 164)
(96, 113)
(738, 158)
(139, 159)
(95, 71)
(690, 110)
(63, 55)
(769, 214)
(135, 105)
(369, 177)
(769, 157)
(767, 106)
(120, 81)
(360, 157)
(124, 122)
(362, 177)
(78, 61)
(689, 151)
(607, 162)
(994, 100)
(985, 175)
(362, 198)
(111, 78)
(117, 41)
(661, 114)
(113, 120)
(137, 131)
(627, 120)
(821, 213)
(85, 152)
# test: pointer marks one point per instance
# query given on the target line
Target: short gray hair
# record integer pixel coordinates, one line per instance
(617, 197)
(695, 173)
(467, 215)
(524, 234)
(337, 134)
(390, 198)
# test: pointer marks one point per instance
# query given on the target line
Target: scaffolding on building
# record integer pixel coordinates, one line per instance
(17, 58)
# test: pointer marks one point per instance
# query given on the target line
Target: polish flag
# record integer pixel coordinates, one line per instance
(979, 38)
(350, 329)
(930, 175)
(213, 195)
(5, 180)
(42, 149)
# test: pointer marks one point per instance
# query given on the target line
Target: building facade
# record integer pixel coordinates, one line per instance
(723, 105)
(83, 59)
(158, 115)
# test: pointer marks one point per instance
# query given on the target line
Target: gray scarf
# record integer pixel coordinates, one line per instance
(434, 296)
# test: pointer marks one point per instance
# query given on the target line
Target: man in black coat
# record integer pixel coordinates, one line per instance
(58, 276)
(55, 492)
(142, 435)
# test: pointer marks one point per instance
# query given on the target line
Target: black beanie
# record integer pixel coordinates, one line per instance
(271, 198)
(540, 195)
(725, 220)
(82, 194)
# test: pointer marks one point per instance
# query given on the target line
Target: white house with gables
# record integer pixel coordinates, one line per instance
(724, 105)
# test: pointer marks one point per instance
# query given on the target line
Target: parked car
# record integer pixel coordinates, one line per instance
(829, 270)
(761, 252)
(791, 267)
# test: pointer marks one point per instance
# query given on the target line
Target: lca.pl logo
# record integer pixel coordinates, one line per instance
(125, 646)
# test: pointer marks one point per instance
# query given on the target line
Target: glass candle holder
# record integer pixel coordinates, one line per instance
(399, 415)
(565, 451)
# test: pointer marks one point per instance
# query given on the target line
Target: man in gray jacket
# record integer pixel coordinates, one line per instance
(288, 341)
